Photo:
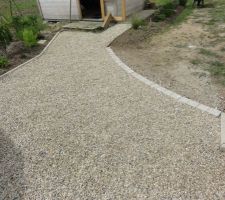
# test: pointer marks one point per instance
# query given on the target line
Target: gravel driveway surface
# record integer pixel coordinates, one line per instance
(74, 125)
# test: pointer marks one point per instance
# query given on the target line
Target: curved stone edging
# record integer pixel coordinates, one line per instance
(179, 98)
(37, 56)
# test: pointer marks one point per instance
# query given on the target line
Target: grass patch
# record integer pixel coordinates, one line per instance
(137, 22)
(217, 68)
(207, 52)
(196, 62)
(3, 62)
(188, 10)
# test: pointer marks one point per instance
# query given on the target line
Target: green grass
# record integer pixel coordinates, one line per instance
(24, 6)
(184, 14)
(217, 68)
(207, 52)
(161, 2)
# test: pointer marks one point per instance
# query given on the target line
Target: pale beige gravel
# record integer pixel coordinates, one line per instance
(74, 125)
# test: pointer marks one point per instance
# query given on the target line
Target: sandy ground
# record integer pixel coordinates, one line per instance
(167, 57)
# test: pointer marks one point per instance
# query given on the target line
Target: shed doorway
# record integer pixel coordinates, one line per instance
(91, 9)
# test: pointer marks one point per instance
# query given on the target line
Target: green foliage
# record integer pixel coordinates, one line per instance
(184, 14)
(31, 22)
(183, 2)
(217, 68)
(137, 22)
(5, 35)
(3, 62)
(29, 37)
(26, 7)
(159, 17)
(166, 10)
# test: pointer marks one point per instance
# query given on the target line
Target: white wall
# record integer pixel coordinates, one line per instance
(133, 6)
(59, 9)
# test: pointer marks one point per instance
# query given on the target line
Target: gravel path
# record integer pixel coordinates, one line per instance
(74, 125)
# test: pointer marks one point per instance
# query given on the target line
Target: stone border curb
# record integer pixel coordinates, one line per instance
(37, 56)
(179, 98)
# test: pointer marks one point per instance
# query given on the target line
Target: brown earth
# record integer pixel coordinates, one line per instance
(171, 57)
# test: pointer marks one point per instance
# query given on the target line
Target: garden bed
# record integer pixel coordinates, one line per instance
(23, 34)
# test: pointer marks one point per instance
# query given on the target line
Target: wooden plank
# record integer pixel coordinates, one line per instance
(118, 18)
(107, 20)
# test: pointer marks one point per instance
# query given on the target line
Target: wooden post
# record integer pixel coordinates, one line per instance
(123, 10)
(102, 2)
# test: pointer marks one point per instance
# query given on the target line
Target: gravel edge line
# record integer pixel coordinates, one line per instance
(179, 98)
(37, 56)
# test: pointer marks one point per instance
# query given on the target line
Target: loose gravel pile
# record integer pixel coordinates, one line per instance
(76, 126)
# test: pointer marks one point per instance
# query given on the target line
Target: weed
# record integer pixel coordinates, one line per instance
(29, 37)
(3, 62)
(137, 22)
(5, 35)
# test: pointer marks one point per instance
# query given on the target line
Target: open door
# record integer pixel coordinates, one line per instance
(91, 9)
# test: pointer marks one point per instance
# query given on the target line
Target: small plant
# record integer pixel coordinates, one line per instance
(166, 10)
(137, 22)
(5, 35)
(3, 62)
(29, 38)
(34, 23)
(183, 2)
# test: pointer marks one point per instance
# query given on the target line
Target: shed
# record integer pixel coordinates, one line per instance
(54, 10)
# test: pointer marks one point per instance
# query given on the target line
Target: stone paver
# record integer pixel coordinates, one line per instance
(74, 125)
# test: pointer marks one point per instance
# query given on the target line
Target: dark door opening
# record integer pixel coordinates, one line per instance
(91, 9)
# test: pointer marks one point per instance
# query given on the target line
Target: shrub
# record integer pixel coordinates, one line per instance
(29, 37)
(137, 22)
(170, 6)
(5, 35)
(183, 2)
(159, 17)
(3, 62)
(31, 22)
